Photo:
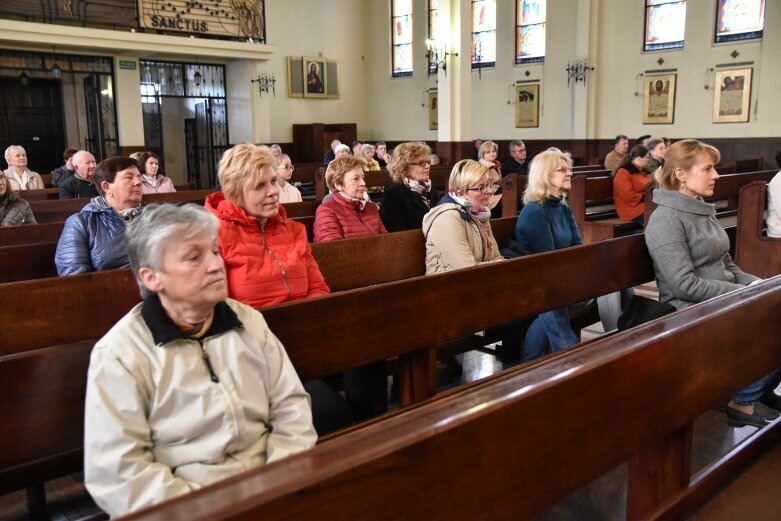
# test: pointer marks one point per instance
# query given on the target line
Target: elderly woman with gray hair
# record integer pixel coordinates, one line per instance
(190, 387)
(19, 176)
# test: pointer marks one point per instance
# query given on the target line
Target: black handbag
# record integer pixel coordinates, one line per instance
(641, 310)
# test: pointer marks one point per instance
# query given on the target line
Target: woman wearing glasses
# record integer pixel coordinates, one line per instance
(458, 230)
(287, 192)
(410, 196)
(546, 223)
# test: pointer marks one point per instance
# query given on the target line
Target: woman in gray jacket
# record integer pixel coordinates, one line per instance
(690, 251)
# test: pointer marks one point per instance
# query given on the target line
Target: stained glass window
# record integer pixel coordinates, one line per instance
(433, 36)
(665, 24)
(483, 33)
(530, 19)
(739, 20)
(401, 39)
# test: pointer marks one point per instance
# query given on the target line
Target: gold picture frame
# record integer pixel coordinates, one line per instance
(527, 105)
(433, 109)
(659, 98)
(732, 95)
(295, 79)
(314, 74)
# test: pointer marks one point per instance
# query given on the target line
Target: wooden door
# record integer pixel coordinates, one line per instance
(31, 116)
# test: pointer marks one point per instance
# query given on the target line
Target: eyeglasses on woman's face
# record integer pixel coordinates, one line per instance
(484, 189)
(289, 168)
(423, 163)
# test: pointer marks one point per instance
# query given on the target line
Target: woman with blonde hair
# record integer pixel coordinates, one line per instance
(546, 223)
(411, 195)
(690, 251)
(458, 230)
(487, 155)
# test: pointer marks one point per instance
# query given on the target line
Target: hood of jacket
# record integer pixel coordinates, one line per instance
(446, 204)
(683, 203)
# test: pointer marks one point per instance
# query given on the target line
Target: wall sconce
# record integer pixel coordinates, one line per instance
(266, 83)
(56, 70)
(197, 78)
(436, 57)
(24, 79)
(577, 71)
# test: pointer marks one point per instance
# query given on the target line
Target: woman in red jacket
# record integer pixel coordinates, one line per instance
(267, 256)
(347, 214)
(629, 185)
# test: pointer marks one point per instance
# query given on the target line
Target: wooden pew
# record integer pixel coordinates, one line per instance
(755, 252)
(597, 226)
(545, 430)
(30, 233)
(30, 330)
(39, 195)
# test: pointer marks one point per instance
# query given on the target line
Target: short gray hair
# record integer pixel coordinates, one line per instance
(365, 147)
(146, 236)
(516, 143)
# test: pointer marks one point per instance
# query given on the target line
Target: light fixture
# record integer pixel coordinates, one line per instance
(437, 56)
(24, 79)
(197, 77)
(56, 70)
(577, 71)
(266, 83)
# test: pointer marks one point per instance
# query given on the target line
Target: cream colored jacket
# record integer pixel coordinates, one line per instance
(453, 242)
(157, 425)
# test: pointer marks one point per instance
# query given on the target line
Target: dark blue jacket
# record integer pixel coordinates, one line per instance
(546, 227)
(92, 240)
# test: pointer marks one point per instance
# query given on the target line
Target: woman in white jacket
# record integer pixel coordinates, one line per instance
(190, 387)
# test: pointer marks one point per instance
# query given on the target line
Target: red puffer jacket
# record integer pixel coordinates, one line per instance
(267, 264)
(341, 218)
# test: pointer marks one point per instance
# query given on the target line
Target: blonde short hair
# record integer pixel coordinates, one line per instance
(11, 149)
(465, 174)
(403, 155)
(241, 168)
(487, 146)
(682, 154)
(337, 169)
(540, 170)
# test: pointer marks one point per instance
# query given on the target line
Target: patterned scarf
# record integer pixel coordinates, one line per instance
(126, 215)
(422, 189)
(480, 215)
(359, 204)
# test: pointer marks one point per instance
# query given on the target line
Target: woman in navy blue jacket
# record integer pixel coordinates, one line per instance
(94, 238)
(546, 223)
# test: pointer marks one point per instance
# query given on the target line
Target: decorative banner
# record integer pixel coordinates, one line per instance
(433, 110)
(236, 18)
(732, 96)
(527, 105)
(659, 98)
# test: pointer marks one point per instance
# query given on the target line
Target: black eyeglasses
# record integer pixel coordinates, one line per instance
(487, 188)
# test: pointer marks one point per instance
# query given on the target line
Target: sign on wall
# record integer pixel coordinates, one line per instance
(236, 18)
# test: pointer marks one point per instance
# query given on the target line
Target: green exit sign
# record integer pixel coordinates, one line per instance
(130, 65)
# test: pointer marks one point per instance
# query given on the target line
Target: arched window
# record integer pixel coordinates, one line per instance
(665, 24)
(483, 33)
(530, 20)
(401, 38)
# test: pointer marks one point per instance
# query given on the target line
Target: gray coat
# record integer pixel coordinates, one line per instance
(15, 211)
(690, 251)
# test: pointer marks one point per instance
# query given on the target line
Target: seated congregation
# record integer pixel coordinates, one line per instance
(192, 386)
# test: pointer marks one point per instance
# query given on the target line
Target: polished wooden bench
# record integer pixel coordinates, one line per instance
(545, 430)
(599, 225)
(755, 252)
(90, 304)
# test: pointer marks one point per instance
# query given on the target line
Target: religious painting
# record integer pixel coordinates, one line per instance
(659, 99)
(314, 72)
(331, 80)
(732, 96)
(433, 110)
(527, 105)
(295, 77)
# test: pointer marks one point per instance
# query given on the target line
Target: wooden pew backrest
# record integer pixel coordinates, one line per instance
(756, 253)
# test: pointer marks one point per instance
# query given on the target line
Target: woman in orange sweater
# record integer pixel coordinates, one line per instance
(629, 184)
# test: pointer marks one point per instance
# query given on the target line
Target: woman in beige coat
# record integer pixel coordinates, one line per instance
(458, 230)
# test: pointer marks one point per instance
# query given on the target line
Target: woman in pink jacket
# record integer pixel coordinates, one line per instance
(347, 214)
(152, 180)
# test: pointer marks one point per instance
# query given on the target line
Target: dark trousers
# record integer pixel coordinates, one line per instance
(366, 388)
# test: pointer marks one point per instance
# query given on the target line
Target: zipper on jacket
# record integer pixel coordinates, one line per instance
(208, 363)
(274, 257)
